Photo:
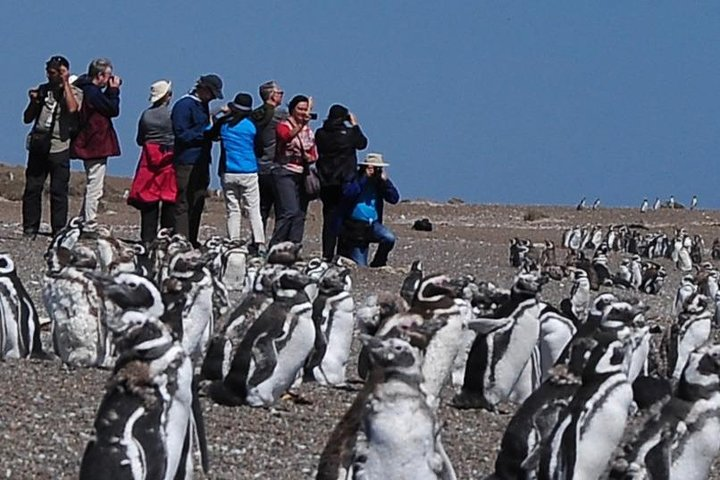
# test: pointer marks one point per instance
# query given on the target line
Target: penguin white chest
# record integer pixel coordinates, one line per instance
(400, 441)
(694, 457)
(601, 427)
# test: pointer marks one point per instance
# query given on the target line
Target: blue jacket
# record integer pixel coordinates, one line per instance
(351, 191)
(190, 120)
(238, 147)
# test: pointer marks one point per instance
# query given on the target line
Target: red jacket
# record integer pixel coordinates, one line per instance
(97, 137)
(155, 176)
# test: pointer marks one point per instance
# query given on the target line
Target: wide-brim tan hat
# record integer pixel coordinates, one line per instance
(374, 160)
(159, 89)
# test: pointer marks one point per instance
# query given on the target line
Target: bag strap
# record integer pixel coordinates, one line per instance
(55, 113)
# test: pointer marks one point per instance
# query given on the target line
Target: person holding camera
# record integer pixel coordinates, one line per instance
(360, 218)
(96, 140)
(295, 148)
(266, 117)
(337, 142)
(53, 110)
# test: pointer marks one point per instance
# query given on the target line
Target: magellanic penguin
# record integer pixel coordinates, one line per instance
(334, 322)
(272, 352)
(412, 281)
(19, 323)
(504, 345)
(390, 431)
(681, 439)
(149, 416)
(691, 330)
(592, 426)
(76, 310)
(536, 418)
(196, 284)
(228, 336)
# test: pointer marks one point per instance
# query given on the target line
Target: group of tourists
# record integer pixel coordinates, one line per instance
(271, 161)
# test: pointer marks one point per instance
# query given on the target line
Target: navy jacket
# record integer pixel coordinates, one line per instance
(190, 119)
(97, 137)
(351, 191)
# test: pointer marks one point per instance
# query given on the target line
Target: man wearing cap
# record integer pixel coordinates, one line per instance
(96, 140)
(154, 187)
(193, 145)
(53, 110)
(266, 118)
(238, 169)
(360, 216)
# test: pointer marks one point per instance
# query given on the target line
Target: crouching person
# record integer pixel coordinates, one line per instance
(360, 216)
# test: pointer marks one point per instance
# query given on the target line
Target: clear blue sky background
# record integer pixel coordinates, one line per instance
(492, 102)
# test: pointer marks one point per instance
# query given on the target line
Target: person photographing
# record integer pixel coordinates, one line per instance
(360, 216)
(295, 148)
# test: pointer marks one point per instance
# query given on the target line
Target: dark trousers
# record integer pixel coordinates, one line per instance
(192, 184)
(381, 235)
(57, 165)
(267, 196)
(150, 213)
(330, 196)
(292, 206)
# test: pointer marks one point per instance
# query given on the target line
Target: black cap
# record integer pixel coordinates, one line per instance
(213, 83)
(57, 61)
(338, 112)
(241, 103)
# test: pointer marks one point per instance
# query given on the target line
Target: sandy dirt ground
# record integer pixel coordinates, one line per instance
(47, 410)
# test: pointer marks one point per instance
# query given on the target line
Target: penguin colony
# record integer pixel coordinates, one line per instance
(163, 323)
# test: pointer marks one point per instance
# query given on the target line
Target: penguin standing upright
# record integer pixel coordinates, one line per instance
(19, 323)
(692, 330)
(412, 281)
(586, 435)
(197, 308)
(535, 419)
(334, 324)
(499, 354)
(149, 417)
(390, 431)
(644, 206)
(656, 204)
(581, 205)
(76, 309)
(273, 350)
(682, 439)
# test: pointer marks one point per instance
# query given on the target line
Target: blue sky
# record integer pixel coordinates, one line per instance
(492, 102)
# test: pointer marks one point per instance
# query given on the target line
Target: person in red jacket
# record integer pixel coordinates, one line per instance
(96, 140)
(154, 187)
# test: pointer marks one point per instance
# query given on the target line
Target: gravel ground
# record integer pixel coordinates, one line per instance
(47, 410)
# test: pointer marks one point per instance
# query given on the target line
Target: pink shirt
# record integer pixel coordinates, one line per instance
(290, 150)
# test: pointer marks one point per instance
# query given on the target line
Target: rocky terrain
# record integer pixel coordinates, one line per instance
(47, 410)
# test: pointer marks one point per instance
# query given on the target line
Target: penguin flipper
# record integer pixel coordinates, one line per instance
(199, 423)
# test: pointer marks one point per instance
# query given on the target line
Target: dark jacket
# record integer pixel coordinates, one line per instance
(266, 117)
(351, 191)
(190, 121)
(97, 137)
(337, 145)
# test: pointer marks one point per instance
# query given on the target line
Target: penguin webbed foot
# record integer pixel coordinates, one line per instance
(220, 394)
(467, 401)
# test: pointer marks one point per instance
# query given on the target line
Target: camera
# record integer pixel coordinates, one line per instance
(313, 116)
